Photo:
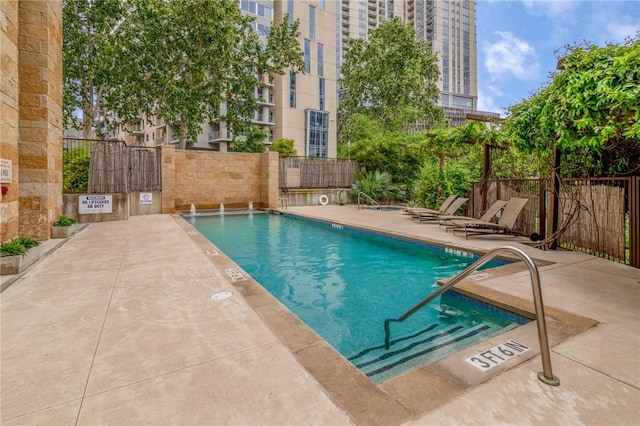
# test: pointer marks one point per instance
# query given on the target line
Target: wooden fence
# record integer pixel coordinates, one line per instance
(115, 167)
(299, 172)
(605, 212)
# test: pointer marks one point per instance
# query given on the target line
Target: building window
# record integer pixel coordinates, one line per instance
(321, 91)
(292, 89)
(316, 133)
(292, 80)
(290, 11)
(321, 4)
(320, 59)
(307, 55)
(312, 22)
(248, 6)
(265, 11)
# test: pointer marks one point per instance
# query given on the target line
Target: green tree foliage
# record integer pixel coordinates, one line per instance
(285, 147)
(589, 110)
(435, 184)
(88, 60)
(252, 140)
(392, 77)
(176, 60)
(367, 142)
(75, 176)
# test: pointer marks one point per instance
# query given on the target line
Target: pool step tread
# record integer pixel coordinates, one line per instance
(434, 342)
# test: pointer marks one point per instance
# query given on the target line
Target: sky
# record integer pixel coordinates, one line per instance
(518, 41)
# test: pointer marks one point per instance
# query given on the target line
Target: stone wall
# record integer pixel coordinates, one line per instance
(31, 125)
(40, 115)
(9, 116)
(208, 179)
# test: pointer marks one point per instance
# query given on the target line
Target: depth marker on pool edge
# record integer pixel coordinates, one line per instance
(234, 274)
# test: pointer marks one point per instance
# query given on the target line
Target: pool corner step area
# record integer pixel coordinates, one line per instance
(430, 344)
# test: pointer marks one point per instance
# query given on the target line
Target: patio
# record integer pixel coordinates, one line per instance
(117, 326)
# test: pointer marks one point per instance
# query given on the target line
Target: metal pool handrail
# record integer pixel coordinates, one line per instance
(283, 202)
(368, 198)
(546, 376)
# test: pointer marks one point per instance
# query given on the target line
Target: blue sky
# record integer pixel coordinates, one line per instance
(517, 41)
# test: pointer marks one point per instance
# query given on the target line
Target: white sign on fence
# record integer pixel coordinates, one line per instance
(146, 198)
(93, 204)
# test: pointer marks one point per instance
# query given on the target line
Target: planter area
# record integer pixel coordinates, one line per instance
(63, 231)
(12, 265)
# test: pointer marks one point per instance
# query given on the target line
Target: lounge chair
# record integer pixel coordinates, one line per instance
(430, 216)
(493, 210)
(443, 207)
(505, 225)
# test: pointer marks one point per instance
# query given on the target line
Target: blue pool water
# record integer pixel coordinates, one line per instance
(344, 283)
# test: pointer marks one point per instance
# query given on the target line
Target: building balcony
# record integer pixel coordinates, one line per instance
(137, 129)
(263, 119)
(265, 80)
(265, 100)
(220, 136)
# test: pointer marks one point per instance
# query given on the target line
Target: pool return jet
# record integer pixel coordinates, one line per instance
(546, 375)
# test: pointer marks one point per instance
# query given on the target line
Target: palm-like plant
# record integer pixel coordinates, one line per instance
(377, 185)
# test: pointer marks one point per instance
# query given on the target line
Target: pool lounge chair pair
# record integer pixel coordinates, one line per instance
(487, 216)
(443, 207)
(434, 215)
(506, 223)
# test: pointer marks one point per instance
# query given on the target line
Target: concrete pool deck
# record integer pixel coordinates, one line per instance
(117, 326)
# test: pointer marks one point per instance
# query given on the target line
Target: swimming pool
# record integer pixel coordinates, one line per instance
(344, 283)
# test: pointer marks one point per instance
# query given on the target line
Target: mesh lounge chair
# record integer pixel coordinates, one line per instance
(505, 225)
(493, 210)
(430, 216)
(443, 207)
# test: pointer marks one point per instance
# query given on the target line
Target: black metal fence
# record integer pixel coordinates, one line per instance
(100, 167)
(301, 172)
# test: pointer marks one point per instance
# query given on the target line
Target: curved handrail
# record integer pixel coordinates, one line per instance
(284, 203)
(368, 198)
(546, 376)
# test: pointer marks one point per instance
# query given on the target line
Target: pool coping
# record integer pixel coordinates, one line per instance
(416, 392)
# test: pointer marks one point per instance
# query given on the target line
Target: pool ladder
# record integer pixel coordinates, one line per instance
(366, 197)
(283, 202)
(546, 375)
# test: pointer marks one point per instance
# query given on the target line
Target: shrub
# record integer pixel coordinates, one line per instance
(64, 221)
(376, 185)
(434, 185)
(17, 246)
(285, 147)
(75, 176)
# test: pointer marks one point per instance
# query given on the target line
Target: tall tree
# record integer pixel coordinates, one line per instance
(589, 111)
(391, 77)
(89, 27)
(182, 60)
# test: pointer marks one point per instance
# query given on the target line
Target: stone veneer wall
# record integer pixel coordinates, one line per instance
(31, 125)
(9, 116)
(208, 179)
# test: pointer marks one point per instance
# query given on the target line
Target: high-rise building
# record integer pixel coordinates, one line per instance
(303, 105)
(448, 25)
(306, 102)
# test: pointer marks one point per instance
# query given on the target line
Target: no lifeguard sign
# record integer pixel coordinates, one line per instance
(146, 198)
(93, 204)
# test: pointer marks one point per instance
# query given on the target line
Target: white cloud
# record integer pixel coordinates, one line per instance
(486, 102)
(619, 32)
(552, 9)
(511, 56)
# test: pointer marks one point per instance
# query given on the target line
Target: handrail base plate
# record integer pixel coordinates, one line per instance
(553, 381)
